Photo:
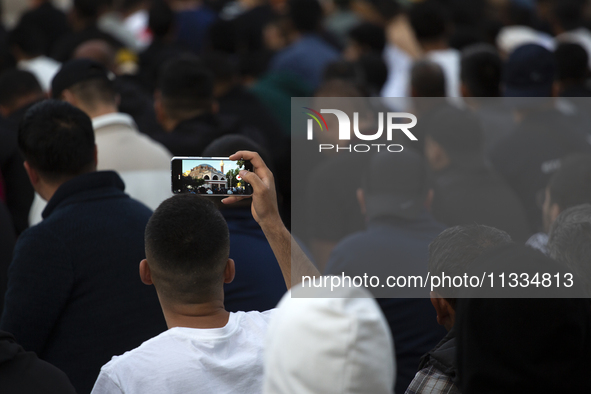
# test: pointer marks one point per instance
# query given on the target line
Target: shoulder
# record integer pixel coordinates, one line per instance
(145, 355)
(433, 381)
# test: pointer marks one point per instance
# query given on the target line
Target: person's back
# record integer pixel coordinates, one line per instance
(208, 360)
(73, 293)
(309, 54)
(395, 244)
(465, 190)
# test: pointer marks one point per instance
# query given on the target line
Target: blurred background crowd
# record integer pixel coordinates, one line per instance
(209, 77)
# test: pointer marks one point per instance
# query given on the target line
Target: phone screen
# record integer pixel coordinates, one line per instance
(210, 176)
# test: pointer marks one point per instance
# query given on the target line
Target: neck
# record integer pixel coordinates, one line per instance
(47, 190)
(205, 315)
(434, 45)
(100, 110)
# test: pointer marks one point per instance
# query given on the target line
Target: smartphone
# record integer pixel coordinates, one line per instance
(210, 176)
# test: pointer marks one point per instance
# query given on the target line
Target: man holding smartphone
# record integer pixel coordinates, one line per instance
(206, 349)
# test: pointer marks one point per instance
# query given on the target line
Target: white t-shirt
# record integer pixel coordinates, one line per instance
(190, 360)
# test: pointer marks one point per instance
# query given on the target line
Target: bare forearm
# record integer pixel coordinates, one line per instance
(292, 260)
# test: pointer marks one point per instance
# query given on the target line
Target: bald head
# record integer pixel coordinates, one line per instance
(97, 50)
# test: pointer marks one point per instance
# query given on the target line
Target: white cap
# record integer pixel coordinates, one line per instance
(512, 37)
(331, 345)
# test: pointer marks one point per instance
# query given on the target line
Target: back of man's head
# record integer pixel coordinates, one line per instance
(187, 248)
(568, 14)
(427, 79)
(403, 195)
(161, 18)
(529, 72)
(88, 81)
(458, 132)
(186, 88)
(570, 185)
(17, 89)
(306, 15)
(572, 62)
(57, 140)
(457, 247)
(29, 39)
(481, 70)
(429, 20)
(570, 241)
(369, 36)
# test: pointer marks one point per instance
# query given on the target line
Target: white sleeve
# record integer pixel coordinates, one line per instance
(106, 385)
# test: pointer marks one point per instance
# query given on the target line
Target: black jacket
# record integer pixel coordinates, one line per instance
(22, 372)
(74, 292)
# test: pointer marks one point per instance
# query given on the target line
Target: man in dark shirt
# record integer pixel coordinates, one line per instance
(74, 296)
(184, 105)
(395, 244)
(528, 156)
(48, 19)
(466, 191)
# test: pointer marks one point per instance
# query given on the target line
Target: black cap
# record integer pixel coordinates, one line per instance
(395, 185)
(529, 72)
(75, 71)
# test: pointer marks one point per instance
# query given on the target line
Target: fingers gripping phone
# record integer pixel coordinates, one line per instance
(210, 176)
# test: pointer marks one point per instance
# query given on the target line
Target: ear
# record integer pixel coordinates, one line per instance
(215, 107)
(435, 155)
(32, 173)
(4, 111)
(465, 92)
(361, 201)
(95, 156)
(229, 271)
(554, 212)
(556, 89)
(117, 100)
(161, 117)
(429, 200)
(145, 274)
(445, 313)
(69, 97)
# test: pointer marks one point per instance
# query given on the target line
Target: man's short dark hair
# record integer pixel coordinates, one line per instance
(429, 20)
(369, 36)
(306, 15)
(15, 84)
(482, 70)
(29, 39)
(427, 79)
(57, 140)
(570, 241)
(94, 92)
(572, 62)
(570, 185)
(568, 13)
(186, 87)
(161, 18)
(187, 247)
(457, 131)
(457, 247)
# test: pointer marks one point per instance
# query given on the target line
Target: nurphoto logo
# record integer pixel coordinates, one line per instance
(345, 129)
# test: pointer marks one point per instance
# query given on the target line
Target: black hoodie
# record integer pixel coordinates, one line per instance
(21, 372)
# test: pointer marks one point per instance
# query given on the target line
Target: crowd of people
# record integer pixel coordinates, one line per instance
(97, 98)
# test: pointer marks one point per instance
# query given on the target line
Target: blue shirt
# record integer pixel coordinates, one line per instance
(306, 58)
(192, 26)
